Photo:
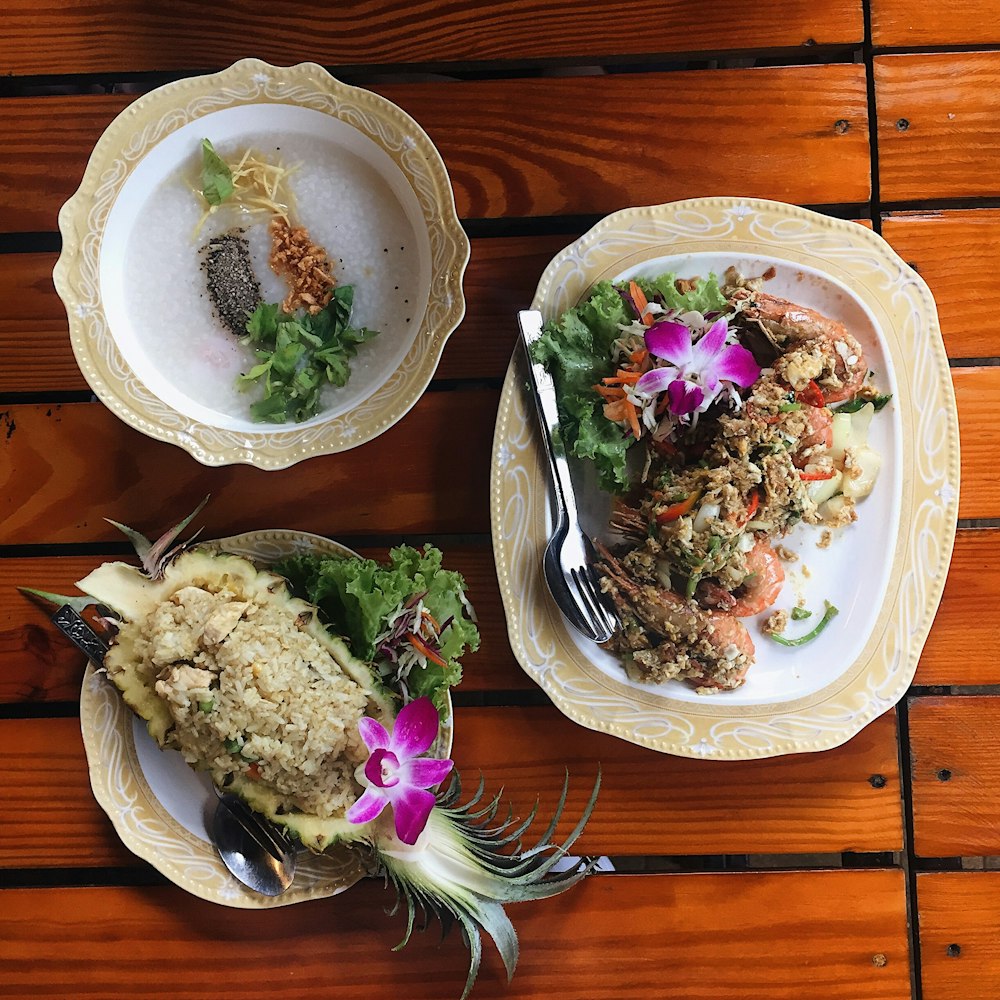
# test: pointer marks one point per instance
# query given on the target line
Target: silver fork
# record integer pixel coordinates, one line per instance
(569, 556)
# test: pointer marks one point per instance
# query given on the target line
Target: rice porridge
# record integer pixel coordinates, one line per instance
(349, 209)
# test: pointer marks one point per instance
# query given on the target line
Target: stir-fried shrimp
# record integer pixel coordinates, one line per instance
(765, 575)
(664, 636)
(815, 347)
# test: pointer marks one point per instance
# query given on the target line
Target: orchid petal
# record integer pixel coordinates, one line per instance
(373, 733)
(685, 397)
(670, 341)
(370, 805)
(705, 352)
(737, 365)
(656, 380)
(415, 730)
(410, 811)
(425, 772)
(376, 766)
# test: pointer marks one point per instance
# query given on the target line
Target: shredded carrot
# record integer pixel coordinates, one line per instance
(633, 418)
(616, 411)
(661, 406)
(421, 647)
(640, 356)
(609, 392)
(426, 614)
(641, 303)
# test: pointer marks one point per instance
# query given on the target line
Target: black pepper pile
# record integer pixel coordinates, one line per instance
(232, 284)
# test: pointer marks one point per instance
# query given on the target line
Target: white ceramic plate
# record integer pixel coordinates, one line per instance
(884, 573)
(369, 185)
(162, 809)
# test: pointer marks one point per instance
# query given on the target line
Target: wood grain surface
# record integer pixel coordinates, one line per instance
(77, 37)
(959, 947)
(900, 23)
(977, 393)
(965, 627)
(649, 804)
(788, 936)
(504, 165)
(956, 775)
(45, 451)
(938, 130)
(952, 251)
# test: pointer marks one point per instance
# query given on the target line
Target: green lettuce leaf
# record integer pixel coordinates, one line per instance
(357, 596)
(576, 350)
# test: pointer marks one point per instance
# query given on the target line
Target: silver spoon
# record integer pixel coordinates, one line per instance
(255, 850)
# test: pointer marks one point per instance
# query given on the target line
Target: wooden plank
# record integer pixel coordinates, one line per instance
(801, 804)
(951, 250)
(103, 38)
(964, 625)
(787, 936)
(502, 275)
(959, 945)
(901, 24)
(507, 165)
(977, 392)
(938, 135)
(52, 819)
(956, 776)
(48, 451)
(41, 666)
(807, 803)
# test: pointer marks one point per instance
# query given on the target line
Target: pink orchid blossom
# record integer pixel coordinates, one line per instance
(396, 773)
(697, 369)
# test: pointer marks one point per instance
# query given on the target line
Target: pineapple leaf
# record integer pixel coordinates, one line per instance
(458, 871)
(78, 604)
(156, 555)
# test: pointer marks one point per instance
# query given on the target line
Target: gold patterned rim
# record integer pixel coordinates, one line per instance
(154, 117)
(915, 563)
(148, 827)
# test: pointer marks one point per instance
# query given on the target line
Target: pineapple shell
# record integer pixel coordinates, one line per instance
(133, 595)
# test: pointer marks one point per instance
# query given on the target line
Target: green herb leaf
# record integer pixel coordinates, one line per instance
(216, 177)
(300, 354)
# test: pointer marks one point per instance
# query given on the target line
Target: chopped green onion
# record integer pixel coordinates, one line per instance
(206, 706)
(692, 584)
(232, 746)
(799, 613)
(830, 612)
(789, 407)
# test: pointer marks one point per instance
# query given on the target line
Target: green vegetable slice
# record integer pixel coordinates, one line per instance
(799, 614)
(828, 615)
(853, 405)
(216, 177)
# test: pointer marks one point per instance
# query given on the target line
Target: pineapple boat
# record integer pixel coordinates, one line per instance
(327, 737)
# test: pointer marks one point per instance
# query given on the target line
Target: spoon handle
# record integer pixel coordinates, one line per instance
(79, 632)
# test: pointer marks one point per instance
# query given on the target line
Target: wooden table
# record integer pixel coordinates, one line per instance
(864, 872)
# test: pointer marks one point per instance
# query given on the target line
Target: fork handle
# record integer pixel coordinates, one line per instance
(544, 391)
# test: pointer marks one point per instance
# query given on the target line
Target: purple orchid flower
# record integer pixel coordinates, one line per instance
(694, 377)
(396, 773)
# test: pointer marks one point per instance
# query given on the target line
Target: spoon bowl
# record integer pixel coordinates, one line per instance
(253, 849)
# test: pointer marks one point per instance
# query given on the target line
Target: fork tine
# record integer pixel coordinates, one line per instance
(604, 614)
(591, 604)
